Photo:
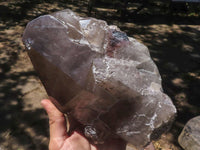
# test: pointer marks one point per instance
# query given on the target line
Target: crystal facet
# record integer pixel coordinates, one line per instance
(97, 74)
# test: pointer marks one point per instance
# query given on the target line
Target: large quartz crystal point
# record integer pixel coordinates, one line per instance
(97, 74)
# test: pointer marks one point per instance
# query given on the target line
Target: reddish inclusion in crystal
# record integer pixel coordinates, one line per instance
(117, 39)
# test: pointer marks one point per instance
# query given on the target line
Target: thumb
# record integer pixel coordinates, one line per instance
(57, 121)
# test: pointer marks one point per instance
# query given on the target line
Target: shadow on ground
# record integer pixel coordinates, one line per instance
(173, 40)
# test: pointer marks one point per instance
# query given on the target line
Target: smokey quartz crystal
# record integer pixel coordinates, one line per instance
(101, 77)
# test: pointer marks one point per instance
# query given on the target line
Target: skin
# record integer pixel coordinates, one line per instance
(60, 140)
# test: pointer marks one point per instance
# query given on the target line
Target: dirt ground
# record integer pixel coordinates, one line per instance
(173, 41)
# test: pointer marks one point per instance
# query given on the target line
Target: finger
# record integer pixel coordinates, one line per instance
(92, 147)
(74, 125)
(77, 142)
(57, 122)
(150, 147)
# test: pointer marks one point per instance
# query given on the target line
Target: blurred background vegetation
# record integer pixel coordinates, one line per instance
(171, 31)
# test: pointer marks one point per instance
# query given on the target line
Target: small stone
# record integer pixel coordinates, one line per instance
(101, 77)
(189, 138)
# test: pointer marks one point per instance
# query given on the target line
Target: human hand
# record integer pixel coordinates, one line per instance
(60, 140)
